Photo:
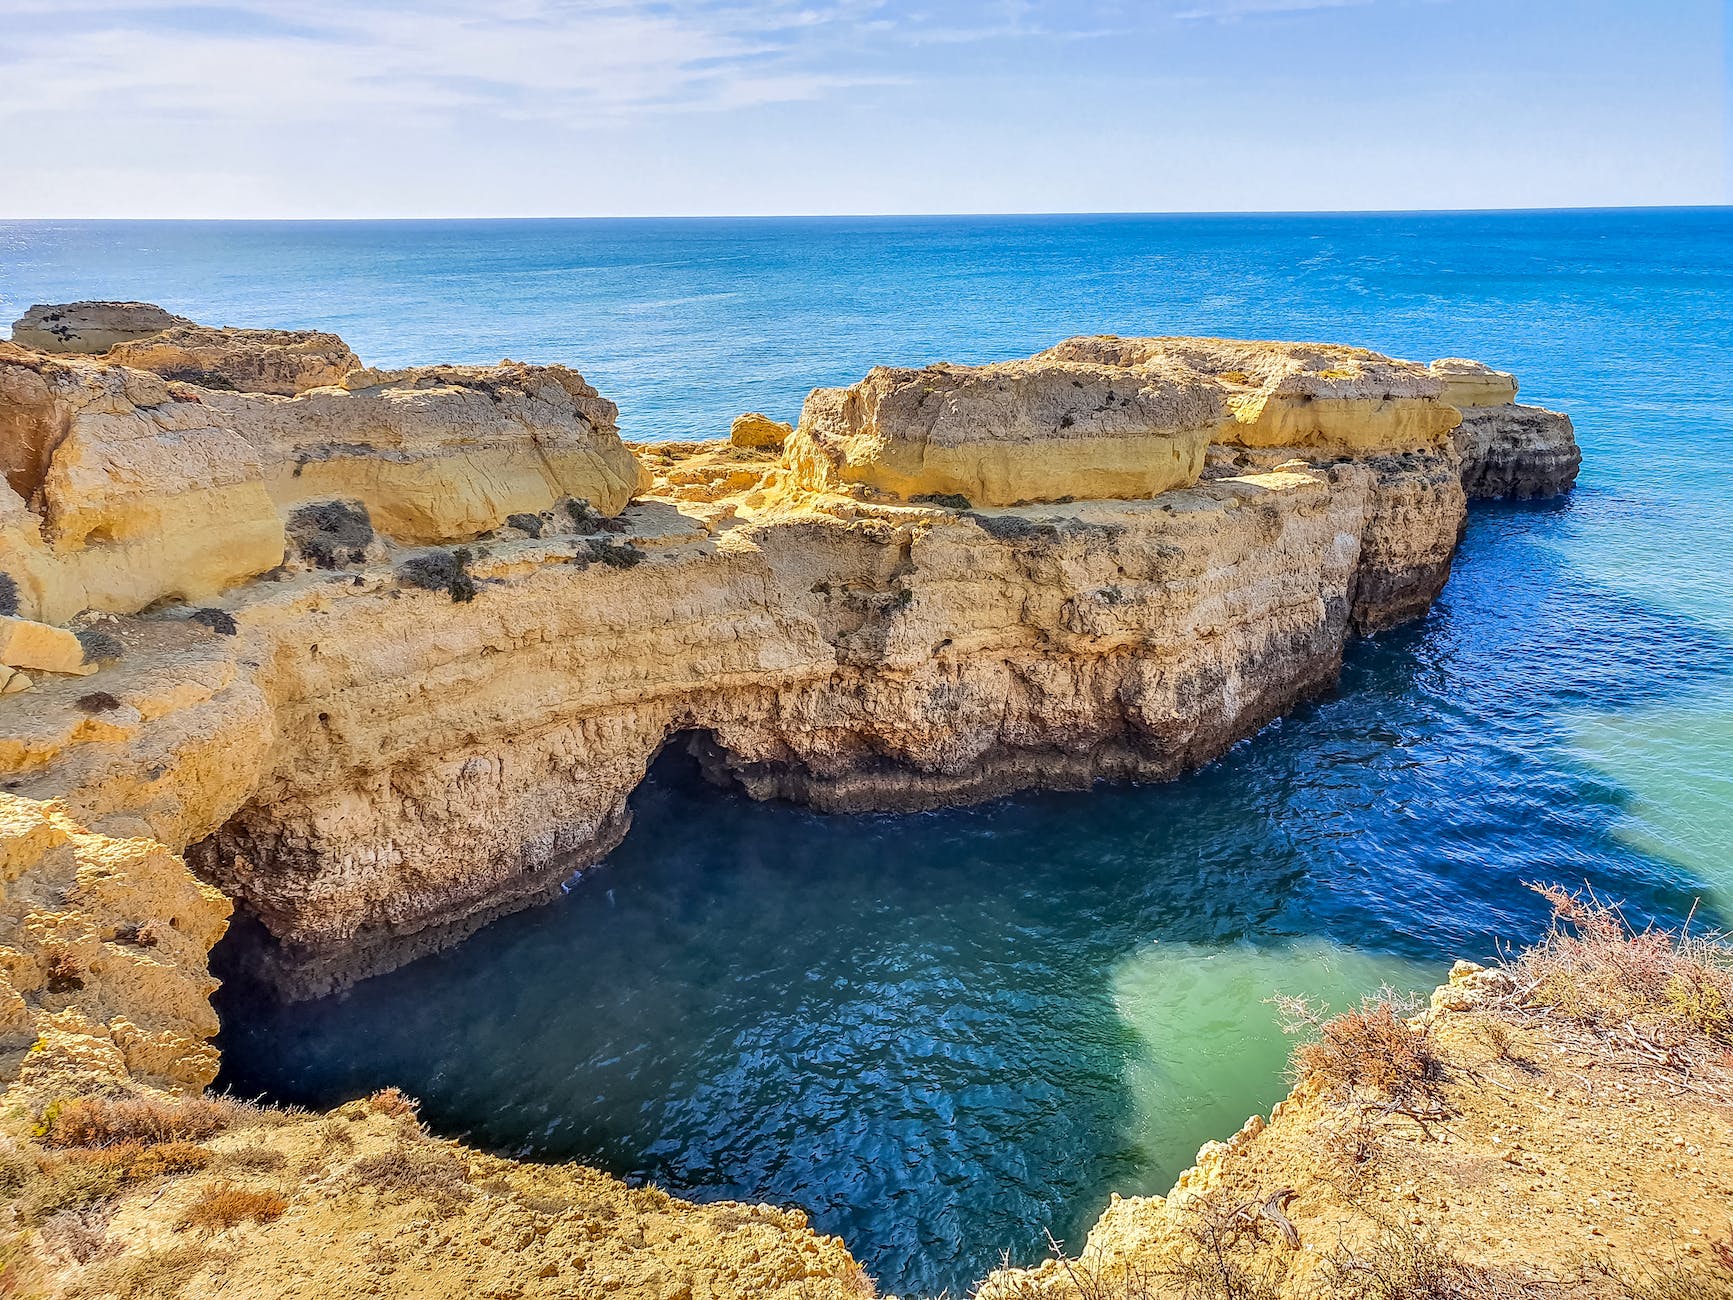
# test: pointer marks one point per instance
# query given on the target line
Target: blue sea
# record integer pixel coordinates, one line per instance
(945, 1034)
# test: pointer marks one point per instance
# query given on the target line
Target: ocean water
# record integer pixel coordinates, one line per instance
(945, 1034)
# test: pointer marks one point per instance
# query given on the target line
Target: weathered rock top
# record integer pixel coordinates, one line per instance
(246, 360)
(90, 326)
(1009, 432)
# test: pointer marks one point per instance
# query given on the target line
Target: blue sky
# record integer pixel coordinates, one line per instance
(306, 108)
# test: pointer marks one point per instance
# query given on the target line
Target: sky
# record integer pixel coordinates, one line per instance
(426, 108)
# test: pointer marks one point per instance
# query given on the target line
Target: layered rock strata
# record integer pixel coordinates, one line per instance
(123, 489)
(1507, 450)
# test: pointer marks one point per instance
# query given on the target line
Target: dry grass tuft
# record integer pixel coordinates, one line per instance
(157, 1276)
(1409, 1263)
(100, 1122)
(1667, 996)
(432, 1174)
(226, 1206)
(1709, 1277)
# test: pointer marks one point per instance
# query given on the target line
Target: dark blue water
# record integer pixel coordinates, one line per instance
(942, 1034)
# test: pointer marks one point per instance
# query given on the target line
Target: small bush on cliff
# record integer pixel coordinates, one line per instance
(530, 524)
(219, 621)
(406, 1170)
(1410, 1263)
(227, 1206)
(446, 571)
(1371, 1054)
(101, 1121)
(614, 554)
(96, 702)
(331, 534)
(99, 647)
(8, 596)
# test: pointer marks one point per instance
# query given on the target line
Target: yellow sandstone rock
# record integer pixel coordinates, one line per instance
(755, 430)
(90, 327)
(249, 361)
(1009, 433)
(440, 453)
(24, 644)
(1311, 395)
(1470, 383)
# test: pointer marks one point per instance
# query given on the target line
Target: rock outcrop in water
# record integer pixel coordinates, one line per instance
(372, 766)
(385, 658)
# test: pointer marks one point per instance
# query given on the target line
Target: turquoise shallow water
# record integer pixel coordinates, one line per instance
(943, 1033)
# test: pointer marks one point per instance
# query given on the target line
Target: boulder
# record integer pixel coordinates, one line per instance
(1009, 433)
(755, 430)
(1341, 400)
(285, 362)
(90, 327)
(27, 644)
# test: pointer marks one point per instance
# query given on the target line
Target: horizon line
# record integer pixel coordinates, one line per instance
(935, 215)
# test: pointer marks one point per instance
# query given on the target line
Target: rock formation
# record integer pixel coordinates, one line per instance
(1009, 434)
(284, 362)
(90, 327)
(1507, 450)
(755, 430)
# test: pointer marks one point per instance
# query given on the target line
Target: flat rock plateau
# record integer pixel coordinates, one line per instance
(371, 657)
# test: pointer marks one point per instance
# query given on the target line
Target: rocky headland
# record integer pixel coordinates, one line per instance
(371, 657)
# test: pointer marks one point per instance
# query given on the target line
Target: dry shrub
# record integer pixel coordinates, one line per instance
(73, 1179)
(432, 1174)
(392, 1101)
(1709, 1277)
(100, 1122)
(1370, 1052)
(1409, 1263)
(156, 1276)
(1223, 1259)
(64, 973)
(225, 1206)
(1594, 969)
(253, 1159)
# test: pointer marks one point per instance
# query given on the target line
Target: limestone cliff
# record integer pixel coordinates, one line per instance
(373, 769)
(935, 590)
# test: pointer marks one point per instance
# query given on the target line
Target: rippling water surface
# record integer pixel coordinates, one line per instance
(942, 1034)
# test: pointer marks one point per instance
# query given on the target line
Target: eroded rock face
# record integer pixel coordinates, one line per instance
(103, 947)
(440, 453)
(284, 362)
(1009, 433)
(120, 492)
(90, 327)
